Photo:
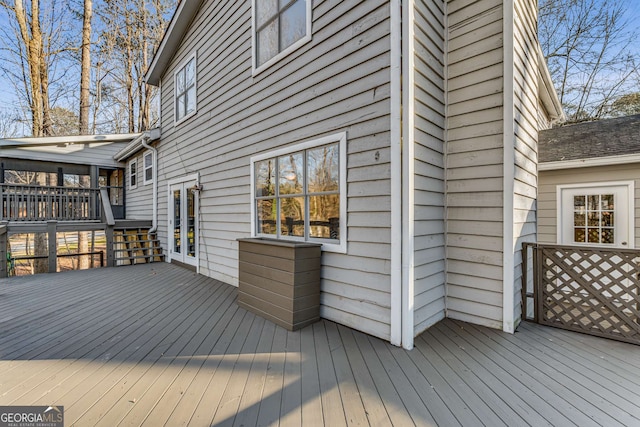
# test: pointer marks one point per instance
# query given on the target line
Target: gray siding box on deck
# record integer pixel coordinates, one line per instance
(337, 82)
(429, 226)
(474, 161)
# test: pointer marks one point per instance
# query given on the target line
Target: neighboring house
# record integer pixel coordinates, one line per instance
(403, 136)
(589, 184)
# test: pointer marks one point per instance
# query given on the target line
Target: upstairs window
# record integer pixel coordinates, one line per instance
(185, 90)
(148, 167)
(280, 26)
(133, 174)
(299, 193)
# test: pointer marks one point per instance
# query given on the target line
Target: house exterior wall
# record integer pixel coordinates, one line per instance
(491, 156)
(547, 197)
(474, 161)
(139, 203)
(429, 180)
(342, 84)
(525, 135)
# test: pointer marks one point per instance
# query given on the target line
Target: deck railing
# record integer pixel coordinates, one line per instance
(43, 203)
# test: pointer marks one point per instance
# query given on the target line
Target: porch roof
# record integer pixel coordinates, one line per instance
(159, 345)
(83, 149)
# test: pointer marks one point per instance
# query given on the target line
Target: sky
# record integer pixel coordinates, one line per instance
(9, 101)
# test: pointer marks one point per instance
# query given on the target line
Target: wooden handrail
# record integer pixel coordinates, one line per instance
(106, 207)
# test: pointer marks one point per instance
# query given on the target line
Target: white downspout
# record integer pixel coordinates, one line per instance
(396, 173)
(154, 157)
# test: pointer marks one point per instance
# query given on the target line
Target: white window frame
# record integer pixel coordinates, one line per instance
(327, 245)
(133, 162)
(255, 70)
(591, 185)
(145, 167)
(179, 69)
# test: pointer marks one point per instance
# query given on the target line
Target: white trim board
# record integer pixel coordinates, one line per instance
(590, 162)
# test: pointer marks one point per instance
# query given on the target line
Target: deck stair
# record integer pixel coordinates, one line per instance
(136, 246)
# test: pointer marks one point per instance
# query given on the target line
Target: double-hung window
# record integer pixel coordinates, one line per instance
(279, 27)
(147, 161)
(133, 174)
(185, 90)
(299, 193)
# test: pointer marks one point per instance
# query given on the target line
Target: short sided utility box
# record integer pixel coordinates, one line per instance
(280, 280)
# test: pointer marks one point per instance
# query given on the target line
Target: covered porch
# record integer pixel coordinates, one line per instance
(156, 344)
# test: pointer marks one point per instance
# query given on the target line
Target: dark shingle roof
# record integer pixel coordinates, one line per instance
(602, 138)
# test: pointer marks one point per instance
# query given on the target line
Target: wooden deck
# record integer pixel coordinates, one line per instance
(159, 345)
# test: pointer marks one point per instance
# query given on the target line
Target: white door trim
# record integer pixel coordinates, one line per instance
(630, 209)
(192, 178)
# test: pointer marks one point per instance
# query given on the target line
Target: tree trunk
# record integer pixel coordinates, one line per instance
(85, 70)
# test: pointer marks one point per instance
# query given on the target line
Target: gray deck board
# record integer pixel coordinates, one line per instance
(159, 345)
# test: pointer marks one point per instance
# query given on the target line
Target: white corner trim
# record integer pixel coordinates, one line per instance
(590, 162)
(396, 173)
(408, 170)
(508, 252)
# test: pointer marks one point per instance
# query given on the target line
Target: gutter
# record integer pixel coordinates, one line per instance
(621, 159)
(66, 140)
(546, 90)
(136, 144)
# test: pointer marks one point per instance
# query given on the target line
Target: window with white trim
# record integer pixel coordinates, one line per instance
(299, 193)
(133, 174)
(280, 26)
(185, 90)
(147, 161)
(596, 214)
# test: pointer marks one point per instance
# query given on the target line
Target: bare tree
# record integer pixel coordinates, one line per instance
(8, 124)
(33, 43)
(131, 31)
(587, 44)
(85, 69)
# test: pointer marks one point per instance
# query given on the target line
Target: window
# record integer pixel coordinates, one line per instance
(596, 214)
(593, 218)
(300, 193)
(148, 167)
(133, 174)
(185, 90)
(280, 26)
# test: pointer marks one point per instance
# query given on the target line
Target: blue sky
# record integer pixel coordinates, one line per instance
(9, 101)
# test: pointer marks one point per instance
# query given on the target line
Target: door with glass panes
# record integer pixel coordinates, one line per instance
(595, 216)
(183, 224)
